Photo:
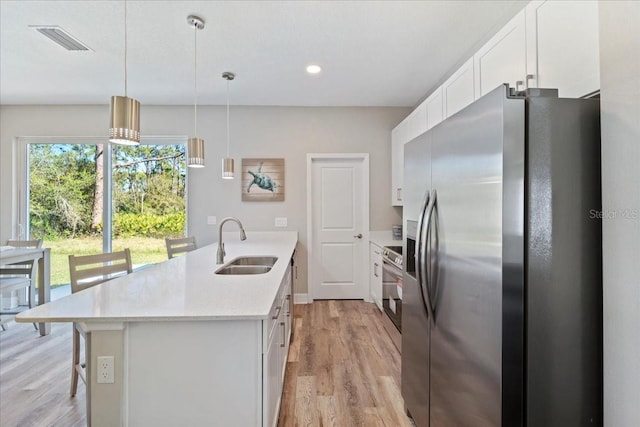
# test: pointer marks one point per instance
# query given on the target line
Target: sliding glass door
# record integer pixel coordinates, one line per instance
(148, 199)
(84, 196)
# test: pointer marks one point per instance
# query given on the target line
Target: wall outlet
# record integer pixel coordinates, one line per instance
(281, 222)
(105, 370)
(211, 220)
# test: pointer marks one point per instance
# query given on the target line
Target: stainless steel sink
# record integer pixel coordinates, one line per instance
(244, 269)
(249, 265)
(255, 260)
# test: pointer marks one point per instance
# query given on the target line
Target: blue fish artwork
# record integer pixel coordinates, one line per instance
(262, 180)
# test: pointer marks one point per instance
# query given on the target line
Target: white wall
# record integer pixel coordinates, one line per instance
(620, 101)
(279, 132)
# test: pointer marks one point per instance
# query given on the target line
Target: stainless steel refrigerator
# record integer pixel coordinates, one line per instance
(502, 281)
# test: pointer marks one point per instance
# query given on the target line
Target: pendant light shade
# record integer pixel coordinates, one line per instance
(195, 145)
(125, 121)
(196, 153)
(125, 112)
(227, 168)
(227, 163)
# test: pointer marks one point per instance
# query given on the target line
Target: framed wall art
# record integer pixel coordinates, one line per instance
(263, 180)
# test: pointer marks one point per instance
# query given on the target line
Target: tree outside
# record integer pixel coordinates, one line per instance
(66, 200)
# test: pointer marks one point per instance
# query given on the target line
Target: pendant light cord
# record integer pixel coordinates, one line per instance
(195, 81)
(227, 118)
(125, 48)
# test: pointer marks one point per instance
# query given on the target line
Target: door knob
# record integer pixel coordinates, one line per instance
(358, 236)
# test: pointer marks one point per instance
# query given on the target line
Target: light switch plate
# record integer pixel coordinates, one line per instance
(211, 220)
(281, 221)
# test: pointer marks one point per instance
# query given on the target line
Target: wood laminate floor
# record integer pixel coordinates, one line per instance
(343, 370)
(35, 375)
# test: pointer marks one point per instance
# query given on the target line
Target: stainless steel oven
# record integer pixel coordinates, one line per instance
(392, 291)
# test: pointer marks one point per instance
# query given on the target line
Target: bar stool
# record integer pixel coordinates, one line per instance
(180, 245)
(85, 272)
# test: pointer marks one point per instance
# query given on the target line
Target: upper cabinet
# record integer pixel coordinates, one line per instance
(562, 46)
(418, 121)
(503, 59)
(413, 125)
(398, 138)
(458, 90)
(435, 111)
(549, 44)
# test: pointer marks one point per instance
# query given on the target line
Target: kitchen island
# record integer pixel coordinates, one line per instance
(190, 347)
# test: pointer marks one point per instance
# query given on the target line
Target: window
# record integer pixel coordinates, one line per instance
(88, 196)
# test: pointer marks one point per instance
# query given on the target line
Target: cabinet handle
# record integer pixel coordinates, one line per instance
(278, 310)
(375, 269)
(518, 84)
(283, 335)
(529, 77)
(399, 194)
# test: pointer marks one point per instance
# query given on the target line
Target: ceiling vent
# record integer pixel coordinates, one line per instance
(60, 36)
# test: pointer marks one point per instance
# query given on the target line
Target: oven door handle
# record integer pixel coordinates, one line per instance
(391, 269)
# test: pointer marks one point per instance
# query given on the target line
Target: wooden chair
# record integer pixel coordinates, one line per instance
(180, 245)
(87, 271)
(20, 276)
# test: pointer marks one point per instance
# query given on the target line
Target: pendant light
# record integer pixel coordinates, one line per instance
(195, 144)
(125, 112)
(227, 162)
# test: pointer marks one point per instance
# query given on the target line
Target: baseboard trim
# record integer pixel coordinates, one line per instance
(301, 298)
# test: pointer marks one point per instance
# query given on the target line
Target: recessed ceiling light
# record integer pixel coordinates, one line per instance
(313, 69)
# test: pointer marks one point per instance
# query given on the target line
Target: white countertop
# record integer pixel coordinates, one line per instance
(183, 288)
(383, 238)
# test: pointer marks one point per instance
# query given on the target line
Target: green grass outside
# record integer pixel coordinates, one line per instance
(144, 250)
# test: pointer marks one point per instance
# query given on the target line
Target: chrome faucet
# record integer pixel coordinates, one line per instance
(220, 255)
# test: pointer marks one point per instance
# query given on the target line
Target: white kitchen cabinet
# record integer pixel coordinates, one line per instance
(503, 59)
(412, 126)
(549, 44)
(375, 274)
(288, 314)
(398, 138)
(277, 328)
(285, 322)
(272, 383)
(563, 46)
(458, 90)
(435, 110)
(417, 121)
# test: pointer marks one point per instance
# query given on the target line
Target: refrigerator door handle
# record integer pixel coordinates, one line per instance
(425, 251)
(418, 254)
(434, 254)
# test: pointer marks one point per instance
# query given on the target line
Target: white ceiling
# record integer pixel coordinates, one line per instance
(373, 53)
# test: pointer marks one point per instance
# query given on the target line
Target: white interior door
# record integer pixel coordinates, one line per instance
(339, 223)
